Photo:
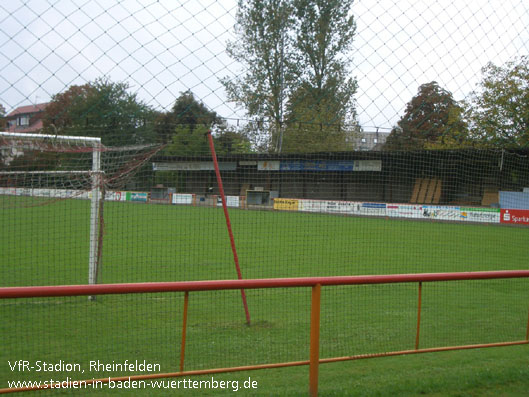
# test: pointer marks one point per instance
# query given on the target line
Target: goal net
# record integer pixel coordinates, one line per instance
(64, 173)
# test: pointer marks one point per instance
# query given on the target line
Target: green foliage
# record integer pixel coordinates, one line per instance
(186, 114)
(231, 142)
(188, 140)
(317, 137)
(184, 130)
(168, 179)
(498, 112)
(264, 46)
(325, 32)
(100, 108)
(318, 126)
(296, 58)
(456, 135)
(433, 119)
(3, 122)
(495, 116)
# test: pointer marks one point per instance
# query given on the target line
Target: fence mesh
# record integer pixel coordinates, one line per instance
(352, 138)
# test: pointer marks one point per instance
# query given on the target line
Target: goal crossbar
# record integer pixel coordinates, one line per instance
(43, 172)
(96, 141)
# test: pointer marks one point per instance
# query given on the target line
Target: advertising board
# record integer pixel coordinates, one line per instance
(404, 211)
(441, 212)
(179, 198)
(137, 196)
(485, 215)
(231, 201)
(518, 217)
(282, 204)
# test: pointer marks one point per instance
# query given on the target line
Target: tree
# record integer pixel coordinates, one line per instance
(456, 135)
(186, 113)
(188, 140)
(432, 119)
(498, 112)
(228, 141)
(3, 122)
(64, 109)
(296, 54)
(325, 129)
(321, 110)
(314, 137)
(264, 46)
(100, 108)
(184, 128)
(324, 36)
(325, 124)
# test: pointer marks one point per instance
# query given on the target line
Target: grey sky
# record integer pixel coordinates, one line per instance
(162, 48)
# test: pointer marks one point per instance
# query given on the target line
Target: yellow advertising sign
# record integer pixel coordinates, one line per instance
(286, 204)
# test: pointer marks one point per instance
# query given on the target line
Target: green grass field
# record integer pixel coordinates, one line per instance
(48, 244)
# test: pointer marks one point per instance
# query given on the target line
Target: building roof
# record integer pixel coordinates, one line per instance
(28, 109)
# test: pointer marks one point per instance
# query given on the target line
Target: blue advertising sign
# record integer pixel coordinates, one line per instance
(331, 165)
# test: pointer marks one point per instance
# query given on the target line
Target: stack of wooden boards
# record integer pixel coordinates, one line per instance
(426, 191)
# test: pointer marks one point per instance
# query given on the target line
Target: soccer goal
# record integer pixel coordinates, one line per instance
(42, 167)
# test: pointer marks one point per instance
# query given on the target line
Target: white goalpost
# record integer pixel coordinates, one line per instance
(12, 145)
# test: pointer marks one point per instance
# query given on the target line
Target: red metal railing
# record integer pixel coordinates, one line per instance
(316, 283)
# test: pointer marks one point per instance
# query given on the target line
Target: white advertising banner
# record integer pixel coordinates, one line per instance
(193, 166)
(310, 205)
(404, 211)
(330, 207)
(231, 201)
(440, 212)
(115, 196)
(340, 207)
(373, 209)
(178, 198)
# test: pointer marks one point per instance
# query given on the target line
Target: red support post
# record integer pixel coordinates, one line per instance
(527, 332)
(184, 331)
(314, 340)
(228, 223)
(419, 305)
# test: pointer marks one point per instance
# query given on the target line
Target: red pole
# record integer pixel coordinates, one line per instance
(527, 332)
(418, 317)
(314, 340)
(228, 223)
(184, 330)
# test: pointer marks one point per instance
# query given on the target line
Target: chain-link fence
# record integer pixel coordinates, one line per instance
(150, 54)
(352, 138)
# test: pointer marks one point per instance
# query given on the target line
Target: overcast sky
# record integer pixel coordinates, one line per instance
(162, 48)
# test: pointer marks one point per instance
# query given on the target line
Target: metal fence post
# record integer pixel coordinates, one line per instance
(314, 340)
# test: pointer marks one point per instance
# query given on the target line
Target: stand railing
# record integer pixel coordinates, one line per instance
(316, 284)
